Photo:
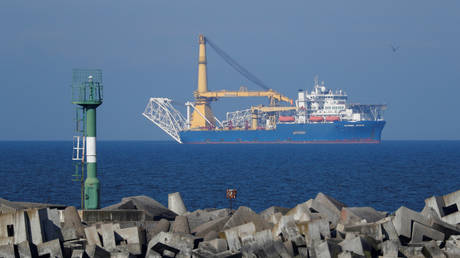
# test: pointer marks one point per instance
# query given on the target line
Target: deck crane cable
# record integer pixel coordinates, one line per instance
(243, 71)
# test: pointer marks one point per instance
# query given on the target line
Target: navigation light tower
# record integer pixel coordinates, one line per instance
(87, 94)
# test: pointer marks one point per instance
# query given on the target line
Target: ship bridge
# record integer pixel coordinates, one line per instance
(327, 105)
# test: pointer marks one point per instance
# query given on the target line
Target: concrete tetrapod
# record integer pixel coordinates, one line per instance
(180, 225)
(176, 204)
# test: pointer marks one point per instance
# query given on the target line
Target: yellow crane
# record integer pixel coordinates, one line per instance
(271, 109)
(202, 115)
(271, 94)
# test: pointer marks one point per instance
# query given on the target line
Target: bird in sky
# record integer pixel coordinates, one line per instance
(394, 48)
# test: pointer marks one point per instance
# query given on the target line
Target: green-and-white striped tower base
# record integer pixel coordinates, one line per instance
(92, 187)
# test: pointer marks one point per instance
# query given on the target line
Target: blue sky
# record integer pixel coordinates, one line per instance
(149, 48)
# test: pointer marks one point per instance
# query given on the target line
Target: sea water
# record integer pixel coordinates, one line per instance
(384, 176)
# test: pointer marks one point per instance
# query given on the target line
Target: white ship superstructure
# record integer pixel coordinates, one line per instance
(325, 105)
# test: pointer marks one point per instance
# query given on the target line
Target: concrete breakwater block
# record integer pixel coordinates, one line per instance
(245, 215)
(302, 212)
(92, 236)
(213, 246)
(315, 230)
(328, 207)
(320, 227)
(234, 243)
(447, 207)
(176, 243)
(72, 227)
(349, 215)
(431, 249)
(267, 213)
(239, 235)
(108, 236)
(390, 248)
(213, 225)
(95, 216)
(153, 210)
(287, 230)
(7, 250)
(199, 217)
(356, 245)
(25, 250)
(131, 240)
(7, 206)
(180, 225)
(50, 248)
(438, 224)
(96, 251)
(176, 204)
(373, 230)
(78, 253)
(262, 244)
(51, 222)
(161, 226)
(37, 221)
(34, 225)
(452, 246)
(211, 235)
(327, 249)
(403, 220)
(421, 232)
(416, 227)
(389, 229)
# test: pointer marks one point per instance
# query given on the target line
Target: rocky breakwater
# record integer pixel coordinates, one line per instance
(142, 227)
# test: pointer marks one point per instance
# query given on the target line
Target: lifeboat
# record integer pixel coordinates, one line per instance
(316, 119)
(332, 118)
(286, 119)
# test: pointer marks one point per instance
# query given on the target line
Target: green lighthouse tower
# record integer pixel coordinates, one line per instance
(87, 94)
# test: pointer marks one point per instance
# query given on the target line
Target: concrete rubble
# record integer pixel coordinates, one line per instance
(139, 226)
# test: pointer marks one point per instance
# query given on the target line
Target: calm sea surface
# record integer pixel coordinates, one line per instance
(384, 176)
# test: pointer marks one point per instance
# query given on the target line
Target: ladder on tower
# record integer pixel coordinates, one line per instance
(79, 148)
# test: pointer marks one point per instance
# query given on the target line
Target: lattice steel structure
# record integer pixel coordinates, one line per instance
(239, 118)
(162, 113)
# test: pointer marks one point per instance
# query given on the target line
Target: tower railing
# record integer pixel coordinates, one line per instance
(87, 93)
(87, 87)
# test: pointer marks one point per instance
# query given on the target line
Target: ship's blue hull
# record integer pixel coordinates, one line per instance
(337, 132)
